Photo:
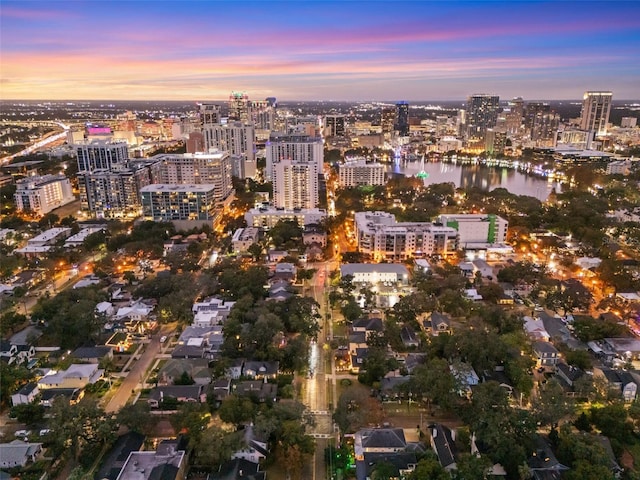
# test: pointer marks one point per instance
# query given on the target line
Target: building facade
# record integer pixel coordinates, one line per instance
(171, 203)
(299, 148)
(212, 168)
(402, 118)
(102, 155)
(267, 217)
(295, 185)
(482, 114)
(380, 236)
(596, 107)
(334, 126)
(40, 195)
(355, 172)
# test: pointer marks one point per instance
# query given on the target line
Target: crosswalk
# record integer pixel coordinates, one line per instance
(321, 435)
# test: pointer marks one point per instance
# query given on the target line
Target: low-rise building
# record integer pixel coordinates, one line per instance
(75, 376)
(374, 273)
(18, 453)
(268, 216)
(357, 171)
(546, 354)
(243, 238)
(167, 462)
(25, 395)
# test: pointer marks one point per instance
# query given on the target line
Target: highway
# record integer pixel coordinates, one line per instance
(39, 144)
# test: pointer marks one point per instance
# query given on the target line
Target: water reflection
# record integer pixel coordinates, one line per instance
(485, 178)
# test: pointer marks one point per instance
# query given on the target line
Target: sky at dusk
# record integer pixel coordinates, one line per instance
(419, 50)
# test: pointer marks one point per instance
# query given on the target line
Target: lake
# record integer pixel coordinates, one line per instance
(483, 177)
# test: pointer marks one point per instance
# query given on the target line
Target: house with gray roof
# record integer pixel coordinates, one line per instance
(26, 394)
(182, 393)
(18, 453)
(444, 445)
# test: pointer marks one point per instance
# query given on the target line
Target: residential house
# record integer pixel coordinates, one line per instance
(182, 393)
(253, 450)
(535, 329)
(444, 445)
(314, 234)
(437, 323)
(75, 376)
(284, 271)
(219, 390)
(260, 370)
(472, 294)
(568, 373)
(401, 463)
(16, 353)
(379, 440)
(409, 337)
(369, 326)
(70, 395)
(196, 368)
(167, 462)
(25, 395)
(621, 381)
(465, 376)
(238, 469)
(118, 454)
(277, 255)
(357, 359)
(211, 311)
(482, 267)
(543, 463)
(546, 354)
(257, 389)
(235, 368)
(95, 354)
(18, 453)
(280, 291)
(375, 445)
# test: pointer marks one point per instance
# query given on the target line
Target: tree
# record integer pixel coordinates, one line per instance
(236, 410)
(429, 468)
(28, 413)
(471, 467)
(216, 447)
(356, 409)
(551, 404)
(192, 419)
(255, 249)
(136, 417)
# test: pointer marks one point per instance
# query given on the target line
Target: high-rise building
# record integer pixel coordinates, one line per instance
(495, 141)
(295, 184)
(108, 194)
(628, 122)
(334, 126)
(239, 107)
(388, 121)
(402, 118)
(209, 114)
(236, 138)
(482, 113)
(101, 155)
(185, 205)
(298, 148)
(596, 107)
(262, 115)
(213, 168)
(357, 171)
(40, 195)
(513, 117)
(541, 123)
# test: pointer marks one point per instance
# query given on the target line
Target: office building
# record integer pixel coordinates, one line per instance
(295, 184)
(212, 168)
(381, 237)
(334, 126)
(356, 172)
(596, 107)
(101, 155)
(39, 195)
(513, 115)
(477, 228)
(186, 205)
(402, 119)
(239, 107)
(388, 121)
(482, 114)
(298, 148)
(236, 138)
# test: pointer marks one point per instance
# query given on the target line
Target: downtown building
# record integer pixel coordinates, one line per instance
(295, 185)
(109, 182)
(481, 115)
(596, 107)
(185, 206)
(382, 238)
(42, 194)
(541, 124)
(268, 216)
(214, 168)
(356, 172)
(236, 138)
(402, 119)
(334, 126)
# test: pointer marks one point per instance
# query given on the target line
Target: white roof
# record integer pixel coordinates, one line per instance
(353, 268)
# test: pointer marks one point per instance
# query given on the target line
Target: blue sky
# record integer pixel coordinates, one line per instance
(198, 50)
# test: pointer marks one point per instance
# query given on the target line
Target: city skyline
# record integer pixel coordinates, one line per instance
(313, 51)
